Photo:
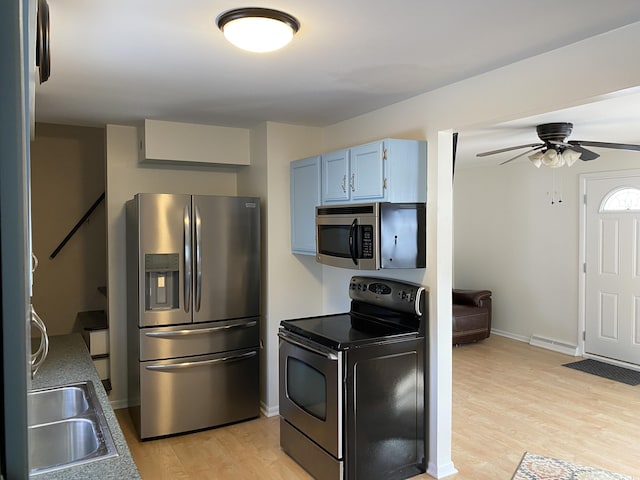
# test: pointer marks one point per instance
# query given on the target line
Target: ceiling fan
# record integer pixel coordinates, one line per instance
(555, 150)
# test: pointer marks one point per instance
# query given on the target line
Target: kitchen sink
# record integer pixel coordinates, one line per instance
(67, 427)
(57, 403)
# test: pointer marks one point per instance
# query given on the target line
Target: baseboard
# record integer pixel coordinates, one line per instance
(512, 336)
(118, 404)
(269, 411)
(540, 341)
(441, 471)
(555, 345)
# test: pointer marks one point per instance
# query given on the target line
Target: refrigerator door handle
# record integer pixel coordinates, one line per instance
(187, 258)
(201, 363)
(198, 331)
(198, 242)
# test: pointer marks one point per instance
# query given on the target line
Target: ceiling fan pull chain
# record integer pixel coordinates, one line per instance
(556, 188)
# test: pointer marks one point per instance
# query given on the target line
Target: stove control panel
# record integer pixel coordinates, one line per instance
(393, 294)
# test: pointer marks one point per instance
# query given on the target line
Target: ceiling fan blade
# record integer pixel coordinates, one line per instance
(508, 149)
(538, 147)
(619, 146)
(585, 155)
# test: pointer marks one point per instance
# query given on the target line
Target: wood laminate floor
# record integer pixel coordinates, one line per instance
(508, 398)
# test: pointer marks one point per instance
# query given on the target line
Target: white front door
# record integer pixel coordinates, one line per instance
(612, 278)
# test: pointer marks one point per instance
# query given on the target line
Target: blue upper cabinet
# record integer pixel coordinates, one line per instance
(305, 196)
(405, 170)
(367, 173)
(390, 170)
(335, 177)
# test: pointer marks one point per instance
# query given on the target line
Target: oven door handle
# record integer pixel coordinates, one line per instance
(297, 343)
(352, 241)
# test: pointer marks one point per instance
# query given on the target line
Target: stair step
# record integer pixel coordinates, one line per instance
(92, 320)
(94, 327)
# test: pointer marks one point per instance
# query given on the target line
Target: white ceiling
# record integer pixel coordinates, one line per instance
(614, 119)
(120, 61)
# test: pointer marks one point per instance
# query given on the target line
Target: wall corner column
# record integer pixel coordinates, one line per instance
(439, 274)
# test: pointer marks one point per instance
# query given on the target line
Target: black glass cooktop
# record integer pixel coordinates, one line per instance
(345, 330)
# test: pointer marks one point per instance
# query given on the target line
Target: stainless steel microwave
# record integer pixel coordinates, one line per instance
(371, 236)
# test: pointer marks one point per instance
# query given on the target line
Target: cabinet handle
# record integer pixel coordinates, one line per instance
(344, 183)
(384, 184)
(352, 182)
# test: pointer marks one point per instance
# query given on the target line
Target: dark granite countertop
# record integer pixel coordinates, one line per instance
(69, 362)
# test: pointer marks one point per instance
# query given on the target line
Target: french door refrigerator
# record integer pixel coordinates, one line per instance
(193, 294)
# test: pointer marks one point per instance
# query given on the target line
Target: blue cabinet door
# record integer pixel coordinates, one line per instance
(305, 195)
(367, 180)
(335, 177)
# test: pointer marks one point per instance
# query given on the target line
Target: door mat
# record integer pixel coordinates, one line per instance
(606, 370)
(539, 467)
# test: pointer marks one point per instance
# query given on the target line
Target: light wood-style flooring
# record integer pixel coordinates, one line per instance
(508, 398)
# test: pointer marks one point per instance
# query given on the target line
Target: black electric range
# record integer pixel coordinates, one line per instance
(352, 397)
(381, 310)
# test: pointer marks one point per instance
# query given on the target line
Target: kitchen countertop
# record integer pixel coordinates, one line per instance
(69, 362)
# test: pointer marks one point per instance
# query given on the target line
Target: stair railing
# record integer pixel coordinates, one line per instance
(77, 225)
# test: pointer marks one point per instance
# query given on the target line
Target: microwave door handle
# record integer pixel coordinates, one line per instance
(352, 243)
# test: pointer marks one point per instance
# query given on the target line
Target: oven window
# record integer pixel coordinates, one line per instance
(307, 388)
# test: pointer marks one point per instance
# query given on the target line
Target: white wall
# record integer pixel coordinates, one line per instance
(124, 178)
(292, 284)
(510, 239)
(511, 92)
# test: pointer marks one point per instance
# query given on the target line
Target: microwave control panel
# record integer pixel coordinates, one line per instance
(366, 245)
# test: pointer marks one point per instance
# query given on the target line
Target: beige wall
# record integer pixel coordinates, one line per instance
(67, 177)
(294, 282)
(125, 177)
(284, 276)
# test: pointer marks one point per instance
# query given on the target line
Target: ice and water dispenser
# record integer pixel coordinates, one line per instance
(162, 281)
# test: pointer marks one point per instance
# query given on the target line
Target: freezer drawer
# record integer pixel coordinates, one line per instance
(192, 393)
(198, 339)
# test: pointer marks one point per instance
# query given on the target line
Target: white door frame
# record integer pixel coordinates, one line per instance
(582, 284)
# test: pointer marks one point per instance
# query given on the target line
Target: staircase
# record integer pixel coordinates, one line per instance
(94, 327)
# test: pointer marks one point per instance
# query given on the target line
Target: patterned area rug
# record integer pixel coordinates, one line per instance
(539, 467)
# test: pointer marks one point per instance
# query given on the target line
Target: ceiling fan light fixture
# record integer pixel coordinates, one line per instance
(258, 30)
(536, 159)
(570, 156)
(552, 159)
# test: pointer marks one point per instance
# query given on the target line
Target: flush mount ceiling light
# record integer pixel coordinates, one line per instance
(258, 29)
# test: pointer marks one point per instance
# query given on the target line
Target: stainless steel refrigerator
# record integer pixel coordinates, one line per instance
(193, 294)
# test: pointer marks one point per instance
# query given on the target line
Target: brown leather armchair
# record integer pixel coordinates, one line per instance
(471, 315)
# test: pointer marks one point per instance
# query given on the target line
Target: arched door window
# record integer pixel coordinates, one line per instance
(623, 199)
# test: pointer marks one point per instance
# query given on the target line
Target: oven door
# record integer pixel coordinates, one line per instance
(311, 390)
